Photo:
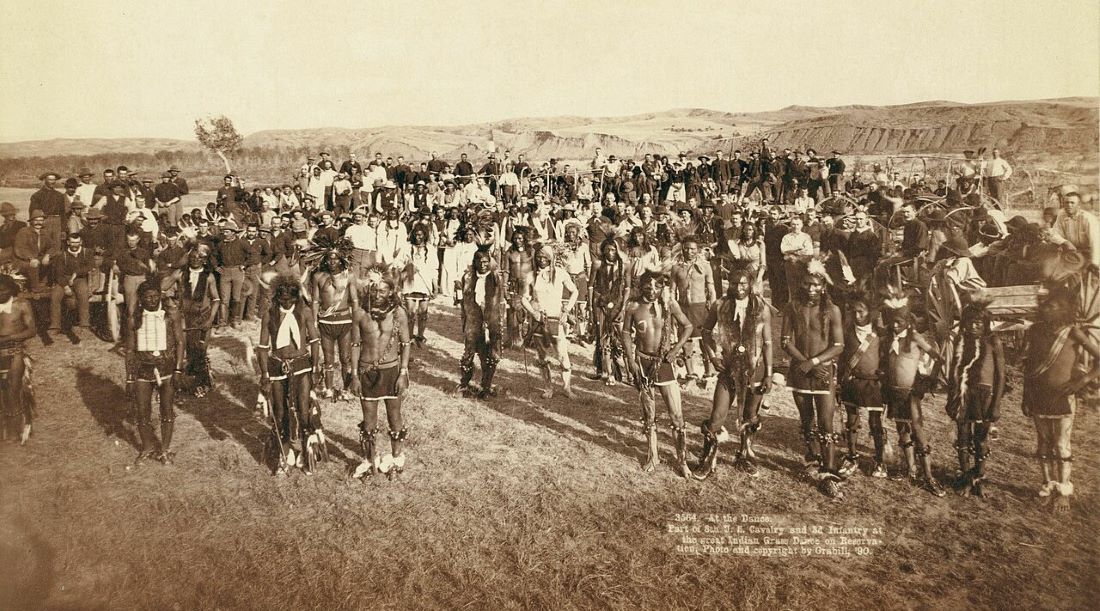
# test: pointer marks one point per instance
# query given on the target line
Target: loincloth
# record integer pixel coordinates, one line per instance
(334, 326)
(902, 403)
(862, 392)
(280, 369)
(379, 383)
(658, 371)
(809, 384)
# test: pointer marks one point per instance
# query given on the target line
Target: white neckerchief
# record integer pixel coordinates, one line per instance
(863, 332)
(288, 330)
(6, 307)
(895, 346)
(740, 309)
(194, 275)
(479, 289)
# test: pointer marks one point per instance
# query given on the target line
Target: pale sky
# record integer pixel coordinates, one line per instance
(123, 68)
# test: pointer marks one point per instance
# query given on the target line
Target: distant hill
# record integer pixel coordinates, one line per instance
(1068, 124)
(93, 146)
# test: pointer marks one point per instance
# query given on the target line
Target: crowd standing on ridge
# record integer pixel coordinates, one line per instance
(672, 271)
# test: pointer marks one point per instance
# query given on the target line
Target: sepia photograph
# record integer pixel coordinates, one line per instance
(550, 305)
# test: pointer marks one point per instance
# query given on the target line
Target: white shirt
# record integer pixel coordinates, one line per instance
(998, 168)
(797, 243)
(5, 308)
(363, 236)
(86, 191)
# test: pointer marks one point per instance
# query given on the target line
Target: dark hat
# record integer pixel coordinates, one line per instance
(84, 172)
(117, 183)
(71, 183)
(48, 174)
(165, 175)
(704, 158)
(145, 180)
(706, 203)
(36, 214)
(834, 152)
(173, 168)
(957, 245)
(94, 213)
(1017, 223)
(7, 209)
(662, 209)
(937, 216)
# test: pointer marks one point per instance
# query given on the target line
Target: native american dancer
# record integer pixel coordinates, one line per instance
(197, 293)
(814, 337)
(154, 356)
(609, 293)
(1052, 378)
(975, 385)
(17, 325)
(860, 387)
(737, 341)
(577, 262)
(483, 301)
(289, 357)
(907, 361)
(381, 353)
(518, 267)
(953, 278)
(543, 302)
(651, 325)
(693, 281)
(420, 273)
(335, 298)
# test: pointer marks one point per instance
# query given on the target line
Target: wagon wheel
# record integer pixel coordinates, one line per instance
(112, 298)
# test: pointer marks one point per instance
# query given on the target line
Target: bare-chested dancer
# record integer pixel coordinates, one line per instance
(813, 336)
(907, 361)
(1051, 382)
(335, 299)
(518, 267)
(650, 341)
(543, 302)
(381, 353)
(16, 326)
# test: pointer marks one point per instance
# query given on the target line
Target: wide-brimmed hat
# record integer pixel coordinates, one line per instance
(957, 245)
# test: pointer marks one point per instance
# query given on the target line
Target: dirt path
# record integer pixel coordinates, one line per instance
(518, 502)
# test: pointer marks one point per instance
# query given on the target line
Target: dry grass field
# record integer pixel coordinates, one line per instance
(513, 503)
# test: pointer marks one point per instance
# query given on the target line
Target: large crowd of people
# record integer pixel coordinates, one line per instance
(672, 271)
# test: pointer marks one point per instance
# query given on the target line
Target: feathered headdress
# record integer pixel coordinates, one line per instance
(320, 246)
(379, 272)
(816, 268)
(17, 277)
(895, 298)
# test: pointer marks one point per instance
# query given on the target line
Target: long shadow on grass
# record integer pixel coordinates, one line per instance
(780, 437)
(107, 402)
(224, 416)
(605, 425)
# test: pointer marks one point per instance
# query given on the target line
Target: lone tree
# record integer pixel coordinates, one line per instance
(218, 135)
